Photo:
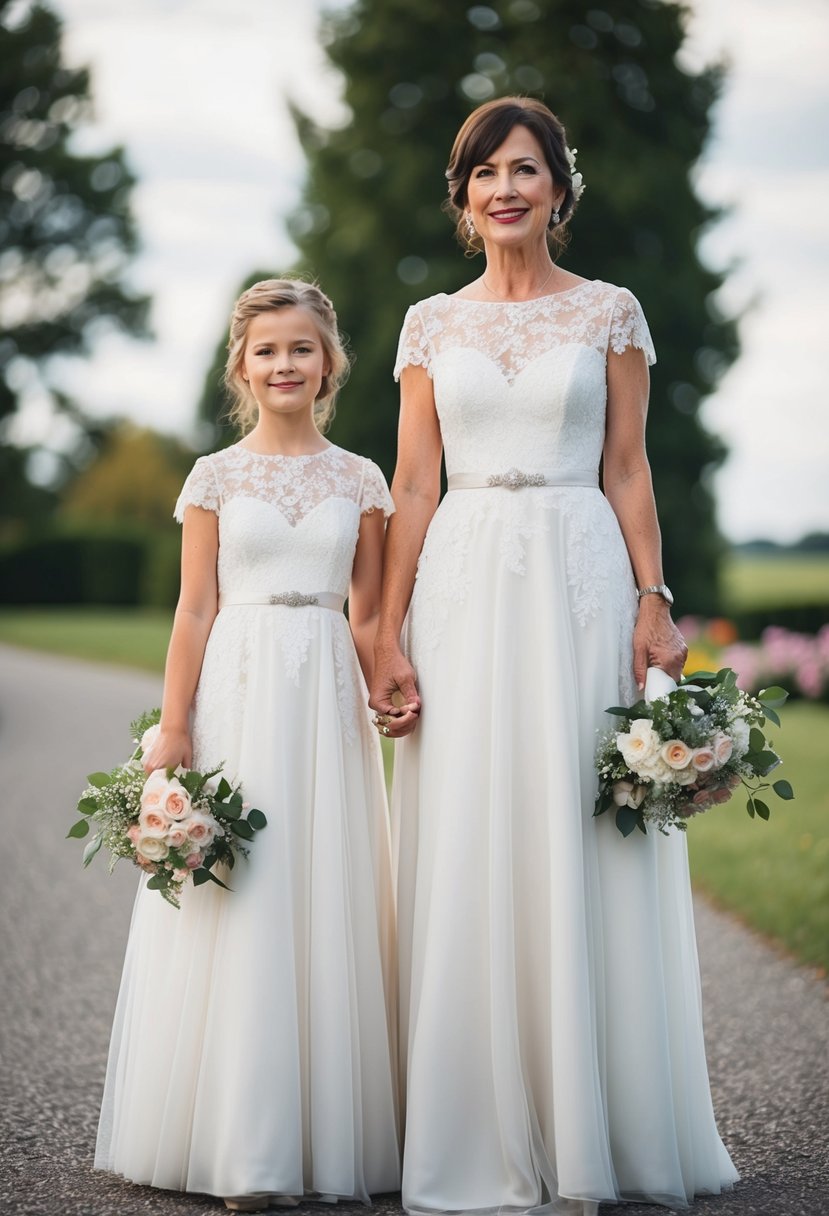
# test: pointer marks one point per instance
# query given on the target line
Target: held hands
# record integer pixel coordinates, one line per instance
(394, 695)
(656, 641)
(169, 749)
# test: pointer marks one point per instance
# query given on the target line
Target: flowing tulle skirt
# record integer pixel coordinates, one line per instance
(253, 1042)
(551, 1033)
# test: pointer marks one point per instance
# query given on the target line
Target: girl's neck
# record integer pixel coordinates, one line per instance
(285, 436)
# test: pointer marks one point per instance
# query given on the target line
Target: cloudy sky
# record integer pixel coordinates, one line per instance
(196, 91)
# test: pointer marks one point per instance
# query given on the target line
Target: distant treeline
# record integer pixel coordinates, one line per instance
(812, 542)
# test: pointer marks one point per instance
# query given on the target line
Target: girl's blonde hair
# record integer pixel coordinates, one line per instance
(267, 296)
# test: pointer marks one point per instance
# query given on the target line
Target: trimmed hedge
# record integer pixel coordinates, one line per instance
(799, 618)
(128, 568)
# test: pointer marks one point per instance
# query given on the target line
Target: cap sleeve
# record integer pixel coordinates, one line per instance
(414, 348)
(201, 489)
(374, 492)
(628, 326)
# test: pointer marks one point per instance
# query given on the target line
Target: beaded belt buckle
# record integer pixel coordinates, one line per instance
(514, 479)
(293, 599)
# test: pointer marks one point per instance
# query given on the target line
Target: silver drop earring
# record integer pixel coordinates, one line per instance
(470, 227)
(555, 217)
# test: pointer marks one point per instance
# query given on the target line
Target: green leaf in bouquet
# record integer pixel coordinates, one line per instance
(761, 809)
(257, 819)
(78, 830)
(771, 715)
(750, 807)
(217, 881)
(766, 761)
(756, 740)
(783, 789)
(230, 810)
(88, 806)
(92, 848)
(224, 789)
(99, 780)
(192, 782)
(620, 711)
(200, 876)
(701, 677)
(235, 799)
(628, 819)
(774, 696)
(156, 883)
(241, 827)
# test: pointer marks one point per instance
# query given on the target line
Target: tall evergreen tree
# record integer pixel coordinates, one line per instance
(370, 223)
(65, 226)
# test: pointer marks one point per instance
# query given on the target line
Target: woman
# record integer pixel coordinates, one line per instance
(551, 1029)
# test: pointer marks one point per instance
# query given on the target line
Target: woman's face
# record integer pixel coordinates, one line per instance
(512, 196)
(284, 360)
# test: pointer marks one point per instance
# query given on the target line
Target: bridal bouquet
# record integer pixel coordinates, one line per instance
(175, 824)
(689, 750)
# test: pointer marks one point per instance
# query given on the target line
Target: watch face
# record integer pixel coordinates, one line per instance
(667, 594)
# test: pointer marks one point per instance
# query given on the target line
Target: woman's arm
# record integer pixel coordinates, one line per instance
(416, 491)
(364, 592)
(627, 484)
(195, 613)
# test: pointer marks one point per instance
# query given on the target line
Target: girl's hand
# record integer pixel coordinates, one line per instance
(394, 694)
(656, 641)
(169, 749)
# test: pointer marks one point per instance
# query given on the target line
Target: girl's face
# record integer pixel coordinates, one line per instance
(284, 360)
(512, 195)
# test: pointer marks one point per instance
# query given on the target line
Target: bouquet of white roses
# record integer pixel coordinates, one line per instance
(175, 824)
(689, 750)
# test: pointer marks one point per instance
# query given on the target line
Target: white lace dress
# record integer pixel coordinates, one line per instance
(551, 1029)
(254, 1043)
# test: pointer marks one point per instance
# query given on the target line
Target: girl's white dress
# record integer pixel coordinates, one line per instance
(551, 1030)
(253, 1046)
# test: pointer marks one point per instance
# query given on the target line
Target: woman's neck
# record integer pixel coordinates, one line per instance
(516, 274)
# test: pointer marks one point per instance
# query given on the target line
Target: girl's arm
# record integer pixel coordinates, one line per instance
(195, 613)
(364, 592)
(627, 485)
(416, 491)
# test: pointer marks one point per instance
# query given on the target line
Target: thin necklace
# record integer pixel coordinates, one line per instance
(538, 293)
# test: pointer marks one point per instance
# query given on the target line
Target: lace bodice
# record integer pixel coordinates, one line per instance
(523, 384)
(286, 523)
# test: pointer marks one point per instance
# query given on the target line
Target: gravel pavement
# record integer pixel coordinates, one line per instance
(64, 931)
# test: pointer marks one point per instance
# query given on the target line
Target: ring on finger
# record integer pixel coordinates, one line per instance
(382, 719)
(385, 730)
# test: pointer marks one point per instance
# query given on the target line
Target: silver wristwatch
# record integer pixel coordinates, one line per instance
(661, 589)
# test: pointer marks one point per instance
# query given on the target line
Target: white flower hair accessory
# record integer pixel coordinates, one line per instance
(577, 182)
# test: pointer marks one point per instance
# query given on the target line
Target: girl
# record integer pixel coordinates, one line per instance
(252, 1049)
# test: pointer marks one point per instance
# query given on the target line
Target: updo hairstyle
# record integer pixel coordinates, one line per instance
(268, 296)
(484, 130)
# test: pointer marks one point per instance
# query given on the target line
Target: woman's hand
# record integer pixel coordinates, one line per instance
(656, 640)
(169, 749)
(394, 695)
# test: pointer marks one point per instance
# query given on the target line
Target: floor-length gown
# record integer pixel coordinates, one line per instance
(551, 1033)
(253, 1048)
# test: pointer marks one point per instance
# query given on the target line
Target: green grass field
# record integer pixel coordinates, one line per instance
(760, 582)
(774, 876)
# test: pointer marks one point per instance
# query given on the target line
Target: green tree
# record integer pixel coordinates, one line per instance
(370, 224)
(65, 227)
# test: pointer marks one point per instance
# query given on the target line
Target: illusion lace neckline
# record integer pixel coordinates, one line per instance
(551, 295)
(238, 447)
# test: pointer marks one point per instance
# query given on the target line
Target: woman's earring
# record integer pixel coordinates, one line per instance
(470, 227)
(555, 218)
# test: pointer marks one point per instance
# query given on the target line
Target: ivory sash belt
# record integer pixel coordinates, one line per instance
(287, 599)
(517, 479)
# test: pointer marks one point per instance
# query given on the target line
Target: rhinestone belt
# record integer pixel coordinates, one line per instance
(287, 599)
(517, 479)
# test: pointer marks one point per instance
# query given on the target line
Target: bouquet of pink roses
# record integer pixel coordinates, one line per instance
(175, 824)
(688, 750)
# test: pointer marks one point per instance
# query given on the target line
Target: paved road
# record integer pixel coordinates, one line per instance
(62, 940)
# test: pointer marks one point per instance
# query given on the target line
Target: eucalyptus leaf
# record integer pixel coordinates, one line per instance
(771, 715)
(756, 740)
(230, 811)
(78, 830)
(241, 827)
(88, 806)
(92, 848)
(619, 711)
(774, 696)
(200, 877)
(783, 789)
(224, 789)
(627, 820)
(750, 807)
(761, 808)
(99, 780)
(155, 883)
(257, 819)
